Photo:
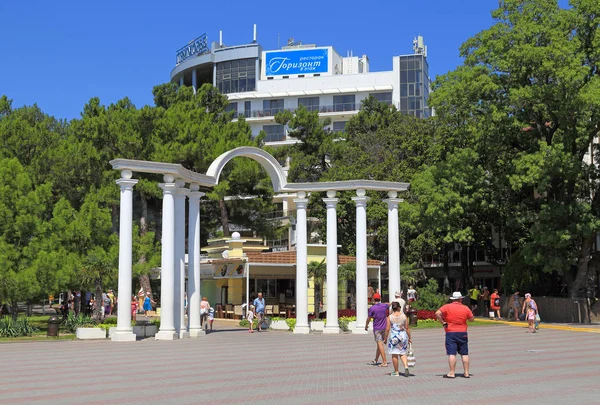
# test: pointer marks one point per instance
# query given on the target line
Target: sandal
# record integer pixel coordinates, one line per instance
(374, 363)
(383, 365)
(449, 376)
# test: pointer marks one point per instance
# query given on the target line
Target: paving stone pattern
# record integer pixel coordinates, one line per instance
(232, 366)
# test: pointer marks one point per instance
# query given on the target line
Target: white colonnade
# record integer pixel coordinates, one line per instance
(173, 273)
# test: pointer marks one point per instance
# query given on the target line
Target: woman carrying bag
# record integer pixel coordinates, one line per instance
(397, 334)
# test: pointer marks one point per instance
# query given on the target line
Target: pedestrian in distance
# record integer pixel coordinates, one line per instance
(530, 309)
(134, 307)
(399, 300)
(411, 294)
(516, 306)
(495, 304)
(397, 333)
(259, 306)
(454, 317)
(250, 318)
(379, 314)
(485, 297)
(474, 294)
(148, 303)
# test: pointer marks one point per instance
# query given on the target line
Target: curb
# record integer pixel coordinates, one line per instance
(545, 326)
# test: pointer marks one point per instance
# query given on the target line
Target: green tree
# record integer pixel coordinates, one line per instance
(318, 272)
(527, 102)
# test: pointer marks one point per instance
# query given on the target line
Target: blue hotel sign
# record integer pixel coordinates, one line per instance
(197, 46)
(294, 62)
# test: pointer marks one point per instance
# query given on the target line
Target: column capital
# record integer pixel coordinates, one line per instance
(181, 192)
(331, 202)
(391, 202)
(126, 183)
(168, 188)
(361, 200)
(195, 195)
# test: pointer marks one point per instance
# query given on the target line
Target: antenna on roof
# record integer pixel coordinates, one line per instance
(419, 46)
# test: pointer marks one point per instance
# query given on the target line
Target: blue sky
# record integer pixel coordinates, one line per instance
(59, 54)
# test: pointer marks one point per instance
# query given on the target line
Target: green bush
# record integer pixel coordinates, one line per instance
(291, 323)
(245, 323)
(155, 322)
(110, 321)
(11, 328)
(73, 322)
(429, 297)
(344, 321)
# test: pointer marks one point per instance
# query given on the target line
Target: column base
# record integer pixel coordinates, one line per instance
(197, 333)
(331, 330)
(123, 337)
(166, 335)
(302, 330)
(184, 334)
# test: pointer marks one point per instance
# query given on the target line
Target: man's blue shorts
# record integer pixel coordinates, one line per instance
(457, 342)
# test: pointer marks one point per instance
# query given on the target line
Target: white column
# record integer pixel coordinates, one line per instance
(393, 243)
(361, 261)
(181, 81)
(194, 81)
(124, 332)
(301, 265)
(167, 272)
(332, 325)
(179, 321)
(193, 289)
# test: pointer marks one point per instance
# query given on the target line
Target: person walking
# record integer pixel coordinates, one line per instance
(397, 333)
(454, 317)
(250, 318)
(474, 294)
(398, 298)
(259, 310)
(411, 294)
(378, 313)
(148, 303)
(530, 309)
(495, 303)
(485, 297)
(516, 306)
(134, 308)
(111, 297)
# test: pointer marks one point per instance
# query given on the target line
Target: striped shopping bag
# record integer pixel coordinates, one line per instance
(412, 360)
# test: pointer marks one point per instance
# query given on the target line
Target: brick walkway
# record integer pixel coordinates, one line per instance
(231, 366)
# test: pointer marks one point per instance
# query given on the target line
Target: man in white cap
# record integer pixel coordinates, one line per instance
(454, 317)
(398, 299)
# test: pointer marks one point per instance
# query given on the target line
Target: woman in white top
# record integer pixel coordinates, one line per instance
(397, 334)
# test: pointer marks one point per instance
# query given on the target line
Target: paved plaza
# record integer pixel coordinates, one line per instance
(231, 366)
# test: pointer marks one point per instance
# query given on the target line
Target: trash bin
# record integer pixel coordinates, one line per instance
(53, 324)
(412, 317)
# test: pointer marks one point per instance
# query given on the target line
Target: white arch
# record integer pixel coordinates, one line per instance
(265, 159)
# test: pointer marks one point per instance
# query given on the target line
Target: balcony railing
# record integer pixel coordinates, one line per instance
(323, 109)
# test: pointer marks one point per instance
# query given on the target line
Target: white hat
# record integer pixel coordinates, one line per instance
(398, 294)
(456, 295)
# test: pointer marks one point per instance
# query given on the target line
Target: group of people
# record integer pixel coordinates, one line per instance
(480, 296)
(391, 328)
(87, 303)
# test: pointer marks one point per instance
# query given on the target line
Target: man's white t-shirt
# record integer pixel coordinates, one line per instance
(399, 300)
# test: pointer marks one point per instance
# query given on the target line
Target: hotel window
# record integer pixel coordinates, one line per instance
(310, 103)
(383, 97)
(232, 107)
(247, 108)
(344, 103)
(236, 76)
(272, 107)
(339, 126)
(274, 133)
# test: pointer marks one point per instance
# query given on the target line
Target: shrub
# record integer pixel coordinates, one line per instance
(424, 315)
(291, 323)
(11, 328)
(429, 297)
(110, 321)
(155, 322)
(73, 322)
(345, 313)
